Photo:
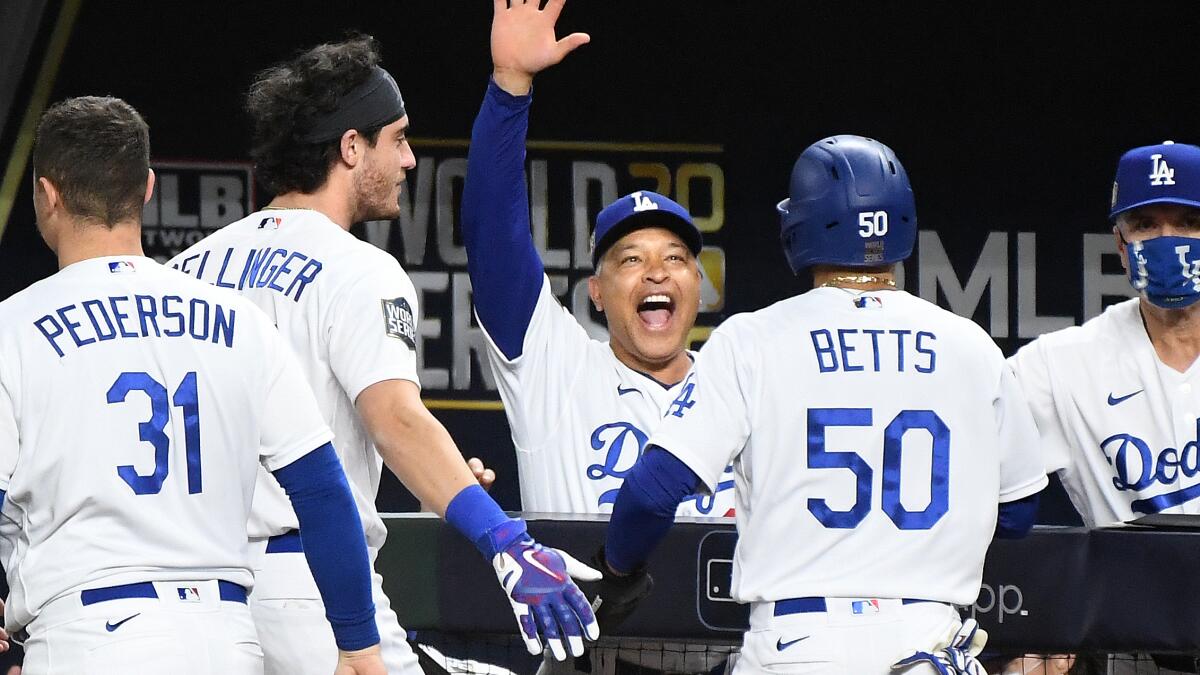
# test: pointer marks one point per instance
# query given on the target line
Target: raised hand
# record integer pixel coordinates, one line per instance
(523, 42)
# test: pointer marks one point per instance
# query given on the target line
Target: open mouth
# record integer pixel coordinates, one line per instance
(656, 310)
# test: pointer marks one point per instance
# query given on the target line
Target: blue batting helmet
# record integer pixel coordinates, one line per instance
(850, 204)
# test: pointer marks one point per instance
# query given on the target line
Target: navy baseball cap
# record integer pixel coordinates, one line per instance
(1152, 174)
(639, 210)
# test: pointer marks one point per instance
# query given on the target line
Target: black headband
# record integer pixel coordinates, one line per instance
(374, 103)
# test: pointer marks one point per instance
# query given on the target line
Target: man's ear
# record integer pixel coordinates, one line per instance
(594, 293)
(1121, 248)
(351, 148)
(149, 187)
(49, 193)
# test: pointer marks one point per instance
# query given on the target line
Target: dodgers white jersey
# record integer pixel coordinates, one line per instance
(349, 313)
(1118, 425)
(872, 436)
(580, 418)
(136, 406)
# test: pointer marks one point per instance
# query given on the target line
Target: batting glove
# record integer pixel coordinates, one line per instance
(615, 597)
(958, 656)
(547, 604)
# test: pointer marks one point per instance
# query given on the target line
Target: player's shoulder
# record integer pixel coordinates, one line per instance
(929, 313)
(227, 235)
(1103, 331)
(25, 300)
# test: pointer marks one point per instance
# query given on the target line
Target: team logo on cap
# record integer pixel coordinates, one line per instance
(1161, 174)
(642, 203)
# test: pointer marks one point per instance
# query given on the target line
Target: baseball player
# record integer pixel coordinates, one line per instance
(131, 401)
(1117, 400)
(580, 409)
(329, 141)
(872, 435)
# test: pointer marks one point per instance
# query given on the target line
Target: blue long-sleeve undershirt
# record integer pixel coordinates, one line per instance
(645, 508)
(332, 536)
(506, 271)
(1015, 518)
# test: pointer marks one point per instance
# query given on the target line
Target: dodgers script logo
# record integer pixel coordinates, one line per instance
(622, 444)
(1138, 469)
(1161, 174)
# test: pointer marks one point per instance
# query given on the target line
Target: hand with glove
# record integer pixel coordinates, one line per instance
(957, 656)
(615, 596)
(545, 601)
(548, 605)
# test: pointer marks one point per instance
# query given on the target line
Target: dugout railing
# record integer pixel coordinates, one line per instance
(1112, 590)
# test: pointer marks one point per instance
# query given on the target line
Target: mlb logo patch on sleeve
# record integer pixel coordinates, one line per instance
(398, 321)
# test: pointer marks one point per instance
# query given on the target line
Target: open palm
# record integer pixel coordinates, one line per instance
(523, 41)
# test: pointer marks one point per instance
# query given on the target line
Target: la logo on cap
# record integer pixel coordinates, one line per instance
(642, 203)
(1160, 173)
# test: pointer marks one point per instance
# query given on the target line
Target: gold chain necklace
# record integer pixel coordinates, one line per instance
(859, 279)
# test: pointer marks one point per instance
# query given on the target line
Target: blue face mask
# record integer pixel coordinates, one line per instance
(1166, 270)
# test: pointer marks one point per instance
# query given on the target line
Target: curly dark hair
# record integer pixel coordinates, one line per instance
(96, 152)
(286, 99)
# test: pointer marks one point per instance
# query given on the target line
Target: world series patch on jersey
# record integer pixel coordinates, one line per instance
(1119, 426)
(580, 418)
(346, 308)
(137, 406)
(873, 436)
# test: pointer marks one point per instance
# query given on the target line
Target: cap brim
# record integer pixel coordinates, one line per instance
(684, 229)
(1157, 200)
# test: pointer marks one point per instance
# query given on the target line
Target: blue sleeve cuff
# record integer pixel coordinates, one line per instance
(506, 99)
(645, 507)
(1015, 519)
(477, 516)
(334, 544)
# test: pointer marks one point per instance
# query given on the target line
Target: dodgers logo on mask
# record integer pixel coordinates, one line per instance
(1189, 268)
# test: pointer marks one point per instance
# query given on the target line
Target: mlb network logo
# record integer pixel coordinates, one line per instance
(120, 267)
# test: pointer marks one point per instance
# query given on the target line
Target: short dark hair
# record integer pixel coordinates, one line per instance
(96, 151)
(286, 99)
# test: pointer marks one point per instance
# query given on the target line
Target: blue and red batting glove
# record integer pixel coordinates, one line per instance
(538, 580)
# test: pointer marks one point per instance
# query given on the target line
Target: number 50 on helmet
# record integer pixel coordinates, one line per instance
(850, 205)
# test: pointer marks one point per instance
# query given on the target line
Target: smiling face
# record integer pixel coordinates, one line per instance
(380, 177)
(648, 286)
